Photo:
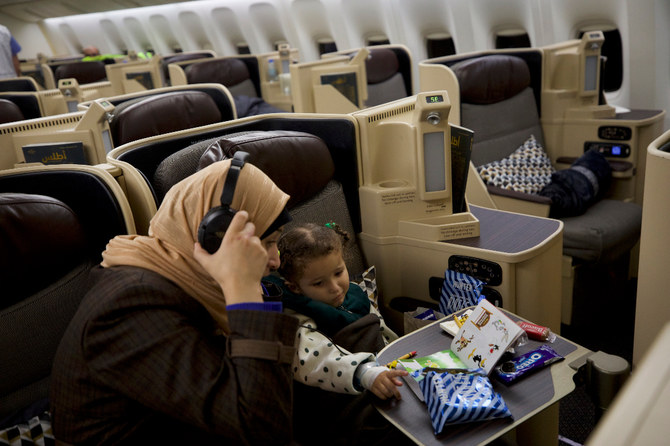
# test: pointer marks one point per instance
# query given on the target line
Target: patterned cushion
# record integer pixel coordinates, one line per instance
(36, 431)
(528, 169)
(368, 282)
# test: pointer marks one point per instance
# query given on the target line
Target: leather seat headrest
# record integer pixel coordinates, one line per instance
(491, 79)
(84, 72)
(227, 72)
(381, 64)
(162, 113)
(299, 163)
(41, 239)
(9, 111)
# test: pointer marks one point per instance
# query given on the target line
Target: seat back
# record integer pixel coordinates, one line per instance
(179, 57)
(338, 132)
(23, 83)
(9, 111)
(55, 222)
(388, 72)
(498, 104)
(153, 114)
(232, 73)
(28, 104)
(387, 79)
(84, 72)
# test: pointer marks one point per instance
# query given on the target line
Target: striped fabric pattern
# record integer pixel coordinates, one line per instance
(461, 398)
(459, 291)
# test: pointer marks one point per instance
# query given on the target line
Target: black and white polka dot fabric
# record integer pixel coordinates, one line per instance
(528, 169)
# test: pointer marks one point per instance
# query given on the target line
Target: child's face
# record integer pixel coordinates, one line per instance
(325, 279)
(270, 244)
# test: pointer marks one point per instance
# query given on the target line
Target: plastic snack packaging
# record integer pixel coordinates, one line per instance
(537, 332)
(510, 371)
(461, 397)
(459, 291)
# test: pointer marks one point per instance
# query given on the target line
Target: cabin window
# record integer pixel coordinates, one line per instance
(243, 48)
(326, 45)
(612, 52)
(512, 38)
(440, 44)
(377, 39)
(280, 42)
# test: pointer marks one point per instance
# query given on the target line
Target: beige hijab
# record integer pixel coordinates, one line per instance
(168, 249)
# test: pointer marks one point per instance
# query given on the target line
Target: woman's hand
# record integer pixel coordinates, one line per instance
(239, 263)
(386, 384)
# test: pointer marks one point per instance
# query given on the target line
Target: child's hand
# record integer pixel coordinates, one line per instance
(386, 384)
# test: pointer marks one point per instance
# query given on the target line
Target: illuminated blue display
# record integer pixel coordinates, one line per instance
(616, 150)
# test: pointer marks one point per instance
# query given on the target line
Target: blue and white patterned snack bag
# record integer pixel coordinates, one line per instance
(454, 398)
(459, 291)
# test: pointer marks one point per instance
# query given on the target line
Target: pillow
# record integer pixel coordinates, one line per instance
(528, 169)
(36, 431)
(368, 283)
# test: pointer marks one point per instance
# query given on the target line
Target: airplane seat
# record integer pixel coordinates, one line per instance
(27, 102)
(55, 222)
(384, 77)
(163, 113)
(146, 155)
(231, 73)
(9, 111)
(84, 72)
(498, 103)
(22, 83)
(309, 177)
(179, 57)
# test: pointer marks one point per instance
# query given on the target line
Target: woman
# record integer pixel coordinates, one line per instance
(174, 345)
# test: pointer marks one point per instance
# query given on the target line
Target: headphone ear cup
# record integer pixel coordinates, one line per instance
(213, 226)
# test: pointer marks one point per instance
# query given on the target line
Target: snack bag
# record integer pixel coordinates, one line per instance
(454, 398)
(459, 291)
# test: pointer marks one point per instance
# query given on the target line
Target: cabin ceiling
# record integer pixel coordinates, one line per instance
(37, 10)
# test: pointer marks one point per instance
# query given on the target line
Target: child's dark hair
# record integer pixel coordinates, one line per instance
(305, 242)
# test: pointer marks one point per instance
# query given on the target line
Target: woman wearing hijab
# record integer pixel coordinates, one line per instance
(176, 346)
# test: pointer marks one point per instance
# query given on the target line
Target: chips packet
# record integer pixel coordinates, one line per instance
(455, 397)
(459, 291)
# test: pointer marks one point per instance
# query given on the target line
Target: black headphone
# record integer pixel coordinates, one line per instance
(215, 223)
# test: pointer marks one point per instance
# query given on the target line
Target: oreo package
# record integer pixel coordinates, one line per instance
(454, 398)
(515, 368)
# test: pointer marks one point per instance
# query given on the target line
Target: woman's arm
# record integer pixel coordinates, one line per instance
(160, 349)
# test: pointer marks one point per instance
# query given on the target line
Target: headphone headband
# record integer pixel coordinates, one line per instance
(231, 179)
(215, 223)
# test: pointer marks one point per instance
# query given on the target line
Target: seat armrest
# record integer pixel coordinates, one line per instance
(619, 168)
(518, 195)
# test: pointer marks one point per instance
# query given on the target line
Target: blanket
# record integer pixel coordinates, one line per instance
(574, 189)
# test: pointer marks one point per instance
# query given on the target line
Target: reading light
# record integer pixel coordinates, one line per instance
(433, 118)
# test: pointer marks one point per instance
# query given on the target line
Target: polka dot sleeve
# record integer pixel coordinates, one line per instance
(319, 363)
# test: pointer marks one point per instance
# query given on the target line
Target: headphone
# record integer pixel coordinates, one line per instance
(216, 222)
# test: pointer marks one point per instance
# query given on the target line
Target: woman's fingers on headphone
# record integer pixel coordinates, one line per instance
(240, 225)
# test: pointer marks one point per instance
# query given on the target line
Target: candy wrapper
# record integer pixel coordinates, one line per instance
(510, 371)
(454, 398)
(537, 332)
(459, 291)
